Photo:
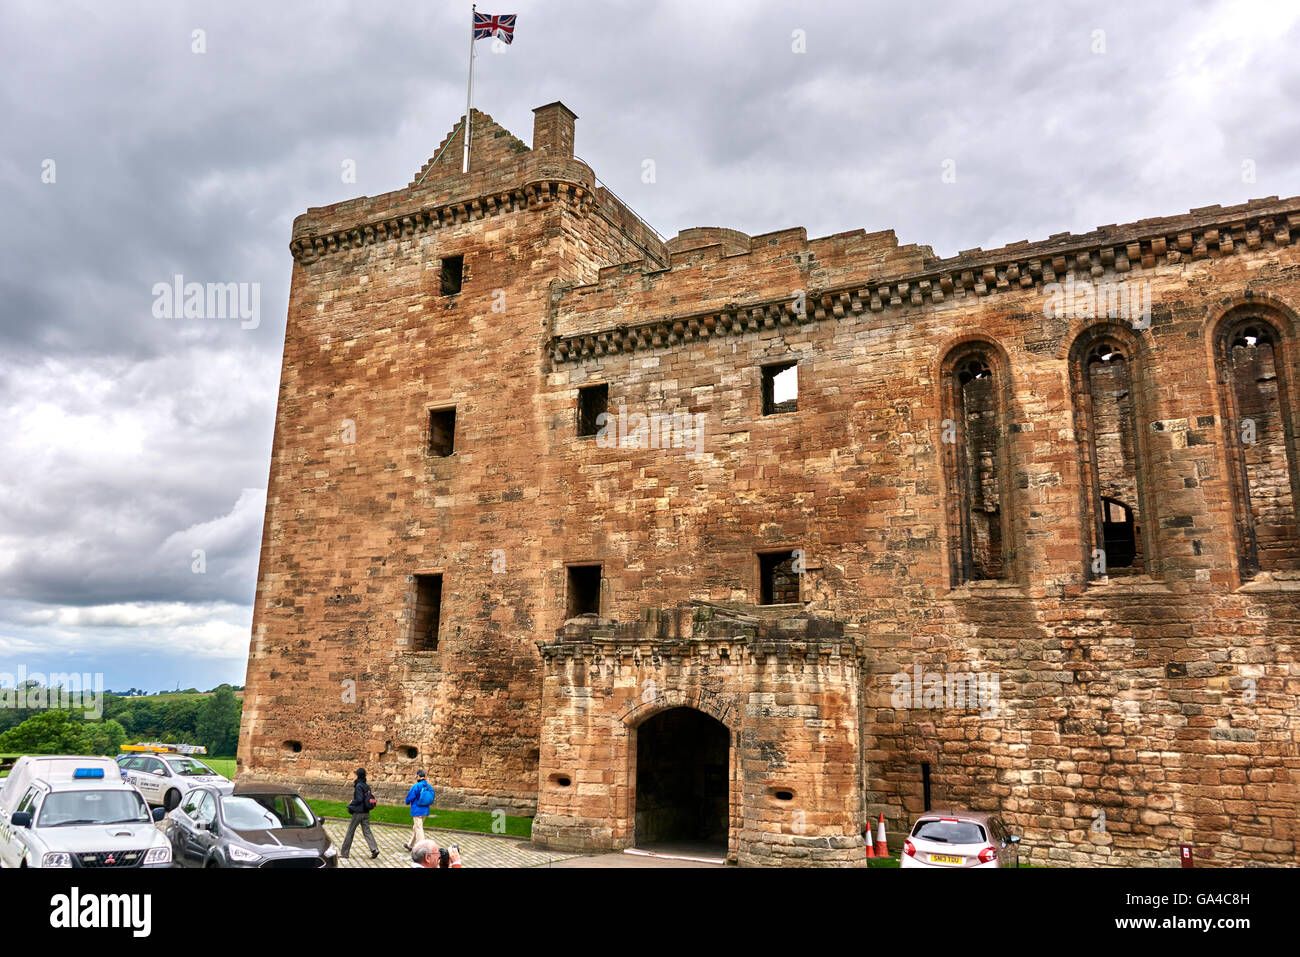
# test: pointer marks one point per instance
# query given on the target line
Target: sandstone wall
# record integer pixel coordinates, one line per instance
(786, 691)
(1165, 697)
(1164, 700)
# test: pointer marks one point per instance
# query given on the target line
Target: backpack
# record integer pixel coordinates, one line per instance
(370, 800)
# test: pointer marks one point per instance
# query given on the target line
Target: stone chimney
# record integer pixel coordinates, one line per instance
(553, 128)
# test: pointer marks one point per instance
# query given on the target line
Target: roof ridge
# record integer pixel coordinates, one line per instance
(481, 119)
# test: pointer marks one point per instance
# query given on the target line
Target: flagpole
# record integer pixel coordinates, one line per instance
(469, 94)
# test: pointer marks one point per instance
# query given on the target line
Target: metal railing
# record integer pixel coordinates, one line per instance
(434, 162)
(626, 205)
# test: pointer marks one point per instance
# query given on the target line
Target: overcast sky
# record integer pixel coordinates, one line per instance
(132, 440)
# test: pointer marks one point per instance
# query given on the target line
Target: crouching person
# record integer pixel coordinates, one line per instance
(427, 854)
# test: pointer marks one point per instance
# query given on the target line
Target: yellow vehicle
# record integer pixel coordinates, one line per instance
(157, 747)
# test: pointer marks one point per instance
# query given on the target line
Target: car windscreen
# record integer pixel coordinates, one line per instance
(265, 812)
(188, 767)
(73, 808)
(950, 832)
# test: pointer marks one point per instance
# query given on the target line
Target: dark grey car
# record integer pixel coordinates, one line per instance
(255, 825)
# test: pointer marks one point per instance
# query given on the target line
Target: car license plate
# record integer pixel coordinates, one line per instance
(944, 859)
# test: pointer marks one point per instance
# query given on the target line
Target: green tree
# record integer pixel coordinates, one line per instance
(182, 717)
(11, 717)
(105, 737)
(147, 716)
(218, 723)
(124, 717)
(50, 732)
(59, 731)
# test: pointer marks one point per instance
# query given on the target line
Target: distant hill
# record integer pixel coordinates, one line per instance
(167, 696)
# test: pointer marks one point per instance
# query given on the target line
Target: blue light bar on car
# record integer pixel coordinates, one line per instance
(88, 773)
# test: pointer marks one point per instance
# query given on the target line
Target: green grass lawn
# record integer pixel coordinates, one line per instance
(223, 766)
(388, 814)
(457, 820)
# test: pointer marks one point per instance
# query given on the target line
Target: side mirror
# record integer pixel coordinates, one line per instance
(1015, 838)
(21, 819)
(159, 813)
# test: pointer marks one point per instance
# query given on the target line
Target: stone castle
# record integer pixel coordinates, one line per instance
(744, 540)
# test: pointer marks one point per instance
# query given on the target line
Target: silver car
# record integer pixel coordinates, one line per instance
(76, 812)
(165, 779)
(960, 839)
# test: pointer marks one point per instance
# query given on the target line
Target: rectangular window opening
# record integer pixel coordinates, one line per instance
(778, 581)
(780, 388)
(428, 612)
(453, 273)
(442, 431)
(583, 591)
(593, 401)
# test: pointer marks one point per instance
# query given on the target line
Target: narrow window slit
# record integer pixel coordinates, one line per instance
(593, 401)
(453, 274)
(442, 432)
(428, 612)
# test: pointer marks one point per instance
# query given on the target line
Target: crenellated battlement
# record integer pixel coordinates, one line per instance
(530, 183)
(505, 177)
(850, 273)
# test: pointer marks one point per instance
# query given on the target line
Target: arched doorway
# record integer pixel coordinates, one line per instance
(682, 764)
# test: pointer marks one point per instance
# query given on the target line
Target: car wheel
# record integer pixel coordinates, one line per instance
(171, 799)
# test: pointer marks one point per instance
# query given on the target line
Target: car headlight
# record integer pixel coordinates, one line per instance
(57, 859)
(159, 855)
(243, 856)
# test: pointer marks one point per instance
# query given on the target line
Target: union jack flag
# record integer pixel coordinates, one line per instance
(486, 25)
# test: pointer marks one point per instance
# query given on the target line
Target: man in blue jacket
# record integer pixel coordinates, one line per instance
(419, 798)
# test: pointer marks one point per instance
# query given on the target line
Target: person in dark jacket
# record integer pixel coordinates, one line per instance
(419, 798)
(359, 808)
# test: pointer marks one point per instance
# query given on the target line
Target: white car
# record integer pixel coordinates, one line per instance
(956, 839)
(165, 779)
(76, 812)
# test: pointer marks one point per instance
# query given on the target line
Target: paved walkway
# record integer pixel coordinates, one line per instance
(620, 859)
(476, 850)
(486, 850)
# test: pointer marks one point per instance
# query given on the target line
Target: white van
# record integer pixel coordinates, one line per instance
(67, 811)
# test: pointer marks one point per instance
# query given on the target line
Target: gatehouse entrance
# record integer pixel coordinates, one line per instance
(682, 763)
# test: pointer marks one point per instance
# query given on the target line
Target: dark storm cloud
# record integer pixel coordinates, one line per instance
(133, 440)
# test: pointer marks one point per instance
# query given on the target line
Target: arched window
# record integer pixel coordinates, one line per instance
(1255, 389)
(976, 468)
(1104, 382)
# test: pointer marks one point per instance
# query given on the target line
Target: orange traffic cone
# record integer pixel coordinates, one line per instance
(866, 840)
(882, 849)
